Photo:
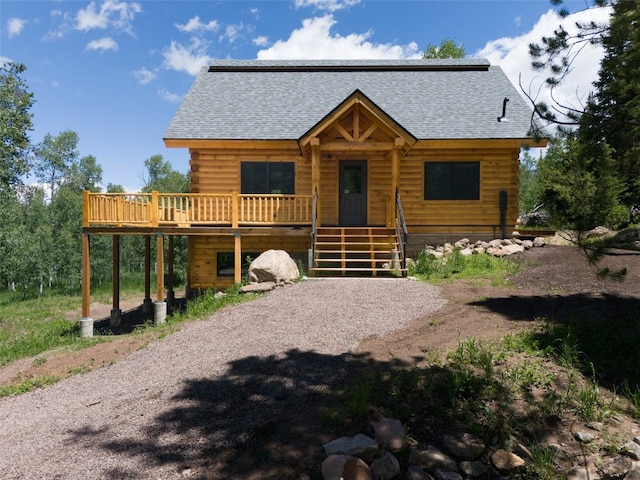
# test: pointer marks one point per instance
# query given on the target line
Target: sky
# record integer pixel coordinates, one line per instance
(116, 71)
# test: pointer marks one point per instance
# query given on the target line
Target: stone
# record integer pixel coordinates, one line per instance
(615, 468)
(465, 252)
(495, 243)
(597, 426)
(527, 244)
(359, 445)
(416, 473)
(390, 434)
(539, 242)
(219, 295)
(345, 467)
(512, 249)
(634, 472)
(584, 437)
(430, 458)
(581, 473)
(473, 469)
(631, 449)
(464, 446)
(257, 287)
(273, 266)
(506, 461)
(446, 475)
(385, 467)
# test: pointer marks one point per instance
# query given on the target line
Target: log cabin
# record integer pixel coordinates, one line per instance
(350, 166)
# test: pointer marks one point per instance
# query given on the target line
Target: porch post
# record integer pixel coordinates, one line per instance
(86, 322)
(147, 307)
(171, 295)
(160, 267)
(115, 311)
(237, 257)
(160, 306)
(395, 174)
(315, 173)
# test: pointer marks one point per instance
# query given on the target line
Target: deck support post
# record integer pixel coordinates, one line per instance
(237, 257)
(147, 305)
(115, 311)
(86, 322)
(160, 306)
(171, 295)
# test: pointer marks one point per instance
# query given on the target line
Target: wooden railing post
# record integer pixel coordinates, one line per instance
(155, 208)
(235, 214)
(160, 267)
(86, 208)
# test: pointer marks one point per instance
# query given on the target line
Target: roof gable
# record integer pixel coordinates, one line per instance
(357, 121)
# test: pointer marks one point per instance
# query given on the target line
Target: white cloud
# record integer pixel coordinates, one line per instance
(232, 32)
(62, 22)
(186, 58)
(15, 26)
(111, 14)
(261, 41)
(314, 40)
(144, 76)
(195, 25)
(4, 61)
(512, 55)
(55, 84)
(168, 96)
(104, 44)
(326, 5)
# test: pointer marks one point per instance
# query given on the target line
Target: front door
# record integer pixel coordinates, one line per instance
(353, 192)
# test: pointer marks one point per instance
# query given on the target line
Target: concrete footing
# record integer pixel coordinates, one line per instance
(159, 313)
(86, 327)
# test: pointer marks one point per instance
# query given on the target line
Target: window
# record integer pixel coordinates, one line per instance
(267, 177)
(452, 180)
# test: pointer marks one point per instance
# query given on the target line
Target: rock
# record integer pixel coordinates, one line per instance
(345, 467)
(631, 449)
(539, 242)
(257, 287)
(527, 244)
(584, 437)
(464, 447)
(416, 473)
(512, 249)
(385, 467)
(431, 458)
(473, 469)
(495, 243)
(390, 434)
(506, 461)
(581, 473)
(465, 252)
(273, 266)
(359, 445)
(446, 475)
(597, 426)
(219, 295)
(634, 472)
(615, 468)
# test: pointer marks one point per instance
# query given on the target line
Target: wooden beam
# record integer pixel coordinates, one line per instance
(116, 272)
(146, 306)
(237, 257)
(86, 276)
(171, 296)
(160, 267)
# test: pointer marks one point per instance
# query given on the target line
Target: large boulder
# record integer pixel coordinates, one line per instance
(273, 266)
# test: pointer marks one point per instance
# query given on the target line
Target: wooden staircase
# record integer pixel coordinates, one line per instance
(357, 251)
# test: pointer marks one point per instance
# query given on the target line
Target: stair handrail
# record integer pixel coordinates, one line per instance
(314, 226)
(401, 229)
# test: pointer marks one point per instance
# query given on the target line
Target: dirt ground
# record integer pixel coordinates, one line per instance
(555, 281)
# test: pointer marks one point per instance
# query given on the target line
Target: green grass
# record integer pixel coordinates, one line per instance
(28, 385)
(458, 266)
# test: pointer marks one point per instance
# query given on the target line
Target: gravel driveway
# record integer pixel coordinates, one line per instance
(209, 386)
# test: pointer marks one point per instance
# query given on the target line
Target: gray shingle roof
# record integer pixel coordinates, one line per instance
(432, 99)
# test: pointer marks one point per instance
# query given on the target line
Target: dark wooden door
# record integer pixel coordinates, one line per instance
(353, 192)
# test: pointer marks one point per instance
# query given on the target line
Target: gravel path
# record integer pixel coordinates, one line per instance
(208, 386)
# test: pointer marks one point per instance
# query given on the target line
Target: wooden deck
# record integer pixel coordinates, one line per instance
(195, 210)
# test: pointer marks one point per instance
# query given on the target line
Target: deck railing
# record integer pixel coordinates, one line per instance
(182, 209)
